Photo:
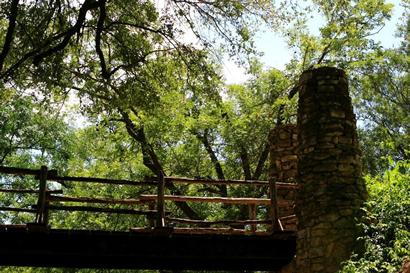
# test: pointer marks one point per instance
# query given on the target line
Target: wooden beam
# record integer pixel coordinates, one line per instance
(224, 200)
(22, 171)
(41, 202)
(160, 202)
(217, 222)
(252, 216)
(28, 191)
(13, 226)
(80, 179)
(152, 181)
(105, 210)
(286, 186)
(289, 217)
(57, 198)
(227, 231)
(260, 183)
(216, 181)
(204, 231)
(274, 205)
(146, 250)
(17, 209)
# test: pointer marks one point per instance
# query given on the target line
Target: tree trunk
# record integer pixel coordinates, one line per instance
(151, 161)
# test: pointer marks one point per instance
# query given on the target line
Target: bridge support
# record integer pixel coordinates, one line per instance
(145, 250)
(329, 172)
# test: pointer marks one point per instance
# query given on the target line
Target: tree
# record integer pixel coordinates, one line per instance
(378, 76)
(381, 85)
(119, 57)
(32, 131)
(385, 234)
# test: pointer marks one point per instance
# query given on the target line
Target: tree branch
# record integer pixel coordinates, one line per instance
(215, 162)
(100, 26)
(151, 161)
(262, 158)
(10, 32)
(245, 163)
(88, 5)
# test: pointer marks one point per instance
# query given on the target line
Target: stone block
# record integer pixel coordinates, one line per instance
(337, 114)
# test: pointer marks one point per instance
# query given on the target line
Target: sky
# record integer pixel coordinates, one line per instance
(277, 54)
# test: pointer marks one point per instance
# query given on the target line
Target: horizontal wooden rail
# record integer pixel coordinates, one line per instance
(56, 198)
(260, 183)
(52, 176)
(229, 231)
(105, 210)
(216, 181)
(151, 181)
(289, 217)
(13, 226)
(224, 200)
(286, 186)
(17, 209)
(217, 222)
(100, 180)
(23, 171)
(29, 191)
(204, 231)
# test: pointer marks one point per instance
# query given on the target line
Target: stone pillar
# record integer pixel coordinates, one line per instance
(283, 168)
(329, 172)
(283, 153)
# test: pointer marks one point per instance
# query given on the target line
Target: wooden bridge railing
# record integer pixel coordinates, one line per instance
(156, 202)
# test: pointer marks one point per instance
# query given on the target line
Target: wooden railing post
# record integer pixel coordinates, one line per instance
(252, 216)
(41, 216)
(151, 219)
(160, 201)
(276, 226)
(46, 208)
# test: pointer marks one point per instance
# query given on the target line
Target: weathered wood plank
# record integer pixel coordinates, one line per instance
(28, 191)
(225, 200)
(57, 198)
(79, 179)
(105, 210)
(18, 209)
(226, 231)
(216, 181)
(22, 171)
(217, 222)
(41, 202)
(160, 202)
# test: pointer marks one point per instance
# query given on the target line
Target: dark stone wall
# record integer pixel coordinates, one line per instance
(329, 172)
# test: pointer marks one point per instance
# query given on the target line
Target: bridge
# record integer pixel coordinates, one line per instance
(321, 152)
(264, 241)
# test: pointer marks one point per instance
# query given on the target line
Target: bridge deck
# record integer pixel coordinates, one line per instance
(158, 249)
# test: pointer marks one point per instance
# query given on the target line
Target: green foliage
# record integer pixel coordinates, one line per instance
(32, 130)
(345, 36)
(386, 223)
(381, 88)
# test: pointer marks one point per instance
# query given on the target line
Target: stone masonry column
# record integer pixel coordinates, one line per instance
(329, 172)
(283, 168)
